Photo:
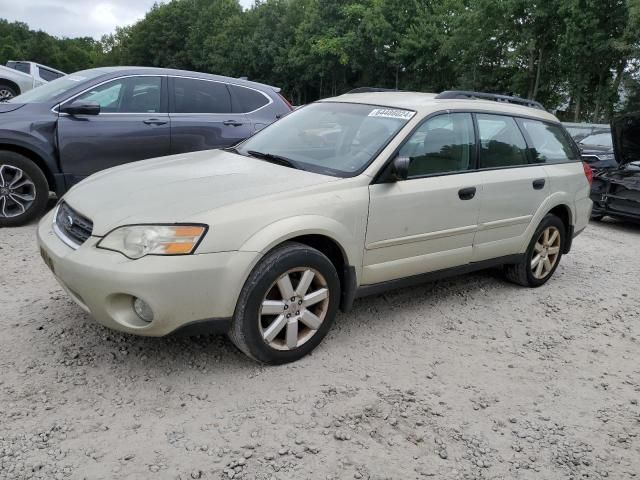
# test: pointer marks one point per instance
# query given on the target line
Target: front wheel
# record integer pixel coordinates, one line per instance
(287, 305)
(542, 256)
(24, 191)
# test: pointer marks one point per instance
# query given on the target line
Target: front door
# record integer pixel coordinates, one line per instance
(427, 222)
(132, 125)
(202, 116)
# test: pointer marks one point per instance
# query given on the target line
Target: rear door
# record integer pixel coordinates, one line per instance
(513, 187)
(133, 124)
(203, 117)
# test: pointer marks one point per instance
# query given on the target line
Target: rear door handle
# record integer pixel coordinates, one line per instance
(233, 123)
(539, 184)
(154, 121)
(467, 193)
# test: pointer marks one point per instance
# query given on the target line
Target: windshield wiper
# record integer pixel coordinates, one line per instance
(277, 159)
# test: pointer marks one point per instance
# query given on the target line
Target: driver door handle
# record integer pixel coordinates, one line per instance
(233, 123)
(467, 193)
(154, 121)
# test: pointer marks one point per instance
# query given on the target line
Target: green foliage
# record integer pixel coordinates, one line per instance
(581, 57)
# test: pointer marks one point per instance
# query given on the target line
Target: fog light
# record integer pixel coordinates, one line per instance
(143, 310)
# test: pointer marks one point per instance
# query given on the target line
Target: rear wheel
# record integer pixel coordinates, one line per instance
(542, 256)
(287, 305)
(7, 92)
(24, 191)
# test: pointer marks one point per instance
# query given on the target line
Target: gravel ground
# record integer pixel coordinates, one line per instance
(466, 378)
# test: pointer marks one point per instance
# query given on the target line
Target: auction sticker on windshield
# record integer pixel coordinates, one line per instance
(392, 113)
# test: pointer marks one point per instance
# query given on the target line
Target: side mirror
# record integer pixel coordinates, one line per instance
(399, 169)
(81, 108)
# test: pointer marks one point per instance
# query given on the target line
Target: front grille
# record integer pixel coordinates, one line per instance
(75, 227)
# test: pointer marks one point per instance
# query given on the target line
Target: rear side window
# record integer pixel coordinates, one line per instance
(442, 144)
(549, 143)
(247, 99)
(501, 142)
(20, 66)
(47, 74)
(200, 96)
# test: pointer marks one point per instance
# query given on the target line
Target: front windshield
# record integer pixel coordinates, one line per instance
(331, 138)
(51, 90)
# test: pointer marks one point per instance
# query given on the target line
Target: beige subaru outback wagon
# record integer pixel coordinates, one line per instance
(342, 198)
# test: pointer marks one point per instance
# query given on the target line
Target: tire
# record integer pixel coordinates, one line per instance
(265, 337)
(7, 92)
(16, 169)
(524, 273)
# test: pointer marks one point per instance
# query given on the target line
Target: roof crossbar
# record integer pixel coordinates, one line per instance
(451, 94)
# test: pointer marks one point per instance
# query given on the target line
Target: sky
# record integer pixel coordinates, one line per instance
(77, 18)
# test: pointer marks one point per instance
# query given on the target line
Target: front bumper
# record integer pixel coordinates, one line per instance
(181, 290)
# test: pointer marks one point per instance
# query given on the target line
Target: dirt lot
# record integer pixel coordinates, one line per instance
(466, 378)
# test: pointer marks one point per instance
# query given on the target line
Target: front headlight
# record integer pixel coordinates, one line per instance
(136, 241)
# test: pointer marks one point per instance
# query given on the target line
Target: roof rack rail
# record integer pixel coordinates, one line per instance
(372, 89)
(449, 94)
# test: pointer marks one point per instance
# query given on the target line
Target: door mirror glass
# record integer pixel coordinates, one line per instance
(81, 107)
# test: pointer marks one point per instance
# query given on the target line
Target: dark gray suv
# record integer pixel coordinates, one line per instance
(54, 136)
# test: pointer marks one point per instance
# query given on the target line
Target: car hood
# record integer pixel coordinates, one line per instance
(594, 149)
(173, 189)
(10, 107)
(626, 138)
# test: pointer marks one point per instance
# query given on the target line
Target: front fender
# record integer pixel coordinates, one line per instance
(350, 242)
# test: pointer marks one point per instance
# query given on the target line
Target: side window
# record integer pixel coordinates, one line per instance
(501, 143)
(20, 66)
(248, 100)
(550, 144)
(47, 74)
(127, 95)
(200, 96)
(442, 144)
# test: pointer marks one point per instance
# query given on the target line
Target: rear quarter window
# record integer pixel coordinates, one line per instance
(247, 100)
(549, 143)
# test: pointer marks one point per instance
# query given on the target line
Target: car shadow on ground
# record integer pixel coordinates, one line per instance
(171, 355)
(618, 224)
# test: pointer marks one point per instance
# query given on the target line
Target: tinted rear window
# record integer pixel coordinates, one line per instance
(501, 142)
(247, 99)
(201, 96)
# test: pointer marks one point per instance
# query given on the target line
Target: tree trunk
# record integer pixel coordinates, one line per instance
(536, 87)
(397, 77)
(576, 112)
(530, 70)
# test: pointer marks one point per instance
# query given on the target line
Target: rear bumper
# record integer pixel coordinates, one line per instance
(181, 290)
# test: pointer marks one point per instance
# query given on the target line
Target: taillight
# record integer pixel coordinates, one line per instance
(286, 101)
(588, 172)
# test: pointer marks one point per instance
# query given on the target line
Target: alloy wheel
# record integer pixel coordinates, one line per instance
(289, 316)
(5, 94)
(546, 252)
(17, 191)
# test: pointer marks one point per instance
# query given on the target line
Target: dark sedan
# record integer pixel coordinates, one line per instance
(597, 150)
(55, 135)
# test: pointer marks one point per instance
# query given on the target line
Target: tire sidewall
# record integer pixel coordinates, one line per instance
(548, 221)
(40, 182)
(246, 318)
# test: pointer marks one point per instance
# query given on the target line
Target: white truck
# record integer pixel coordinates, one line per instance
(18, 77)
